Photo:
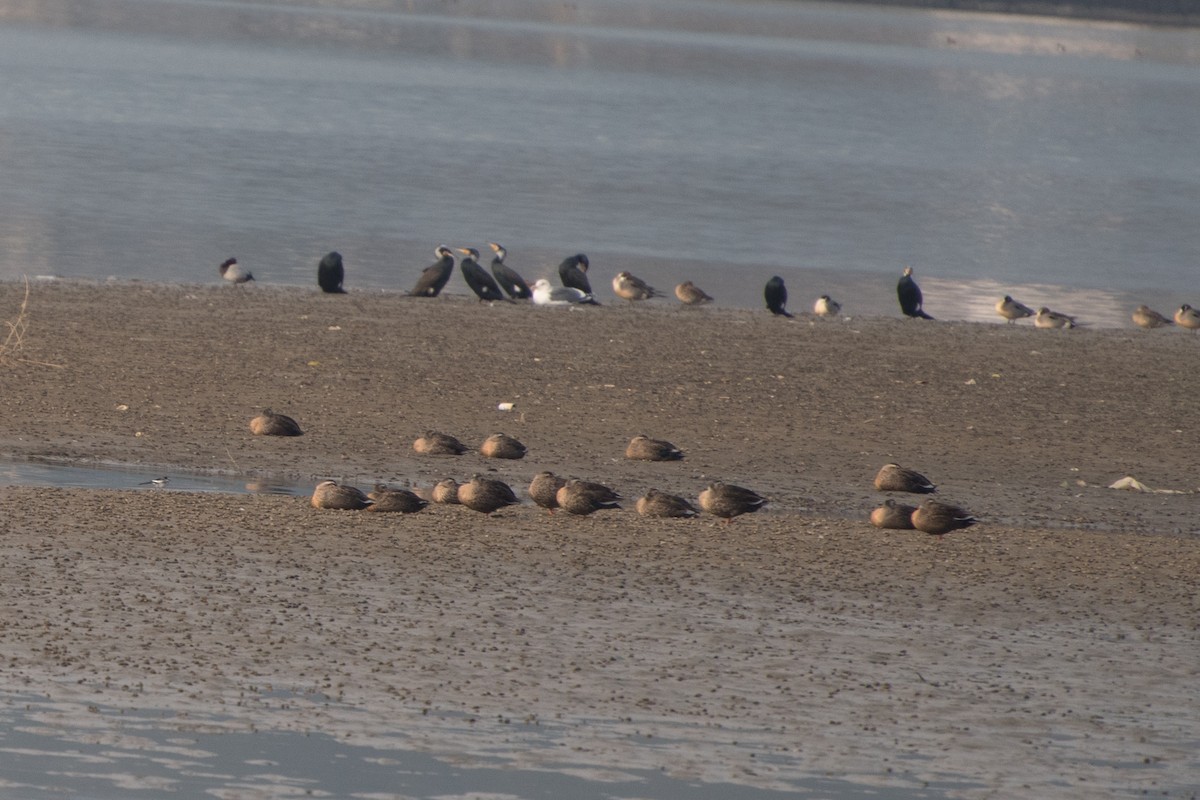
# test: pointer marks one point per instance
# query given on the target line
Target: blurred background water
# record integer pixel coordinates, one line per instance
(722, 142)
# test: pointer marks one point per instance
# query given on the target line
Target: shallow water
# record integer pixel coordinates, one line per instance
(717, 141)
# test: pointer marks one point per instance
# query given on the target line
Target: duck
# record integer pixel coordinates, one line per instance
(728, 501)
(543, 489)
(546, 295)
(1146, 317)
(486, 495)
(937, 518)
(436, 443)
(895, 478)
(643, 448)
(331, 272)
(584, 497)
(234, 272)
(330, 494)
(1187, 317)
(1012, 310)
(826, 306)
(501, 445)
(775, 295)
(482, 284)
(435, 277)
(909, 295)
(691, 295)
(1052, 319)
(573, 273)
(402, 501)
(891, 514)
(270, 423)
(660, 504)
(445, 492)
(629, 287)
(509, 279)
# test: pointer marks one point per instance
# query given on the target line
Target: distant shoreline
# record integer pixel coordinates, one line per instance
(1147, 12)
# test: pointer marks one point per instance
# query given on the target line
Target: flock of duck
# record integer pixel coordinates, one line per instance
(505, 284)
(581, 497)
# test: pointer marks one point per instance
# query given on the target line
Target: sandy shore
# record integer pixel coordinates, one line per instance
(1050, 651)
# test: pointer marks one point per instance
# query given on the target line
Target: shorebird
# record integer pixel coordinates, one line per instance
(643, 448)
(483, 285)
(329, 494)
(910, 297)
(546, 295)
(501, 445)
(1011, 310)
(270, 423)
(234, 272)
(435, 443)
(584, 497)
(895, 478)
(401, 501)
(445, 492)
(893, 515)
(728, 501)
(1052, 319)
(630, 287)
(826, 306)
(508, 278)
(775, 293)
(1146, 317)
(691, 295)
(660, 504)
(543, 489)
(1187, 317)
(434, 277)
(330, 273)
(573, 273)
(486, 495)
(158, 483)
(937, 518)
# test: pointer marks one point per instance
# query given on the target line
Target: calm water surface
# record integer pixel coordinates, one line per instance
(722, 142)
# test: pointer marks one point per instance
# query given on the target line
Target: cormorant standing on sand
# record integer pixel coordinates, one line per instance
(508, 278)
(331, 273)
(435, 276)
(776, 296)
(482, 284)
(909, 295)
(573, 273)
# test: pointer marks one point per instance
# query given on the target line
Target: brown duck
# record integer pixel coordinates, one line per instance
(584, 497)
(544, 489)
(330, 494)
(269, 423)
(728, 501)
(895, 478)
(893, 515)
(486, 495)
(643, 448)
(445, 492)
(691, 295)
(501, 445)
(435, 443)
(938, 518)
(660, 504)
(402, 501)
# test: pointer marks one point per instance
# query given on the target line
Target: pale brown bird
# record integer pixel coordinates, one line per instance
(728, 501)
(937, 518)
(895, 478)
(435, 443)
(584, 497)
(691, 295)
(1187, 317)
(543, 489)
(660, 504)
(445, 492)
(330, 494)
(826, 306)
(234, 272)
(893, 515)
(1052, 319)
(1012, 310)
(269, 423)
(643, 448)
(1146, 317)
(500, 445)
(402, 501)
(486, 495)
(632, 288)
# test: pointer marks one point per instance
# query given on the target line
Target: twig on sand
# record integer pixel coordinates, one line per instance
(14, 341)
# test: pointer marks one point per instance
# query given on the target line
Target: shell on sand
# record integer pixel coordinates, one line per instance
(270, 423)
(330, 494)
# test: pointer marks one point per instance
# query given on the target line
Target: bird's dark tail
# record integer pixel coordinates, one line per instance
(921, 314)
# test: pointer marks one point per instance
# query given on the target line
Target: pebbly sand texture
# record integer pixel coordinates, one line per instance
(1050, 651)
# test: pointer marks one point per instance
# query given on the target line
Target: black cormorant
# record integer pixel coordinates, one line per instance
(775, 294)
(435, 276)
(573, 273)
(482, 284)
(331, 273)
(508, 278)
(909, 295)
